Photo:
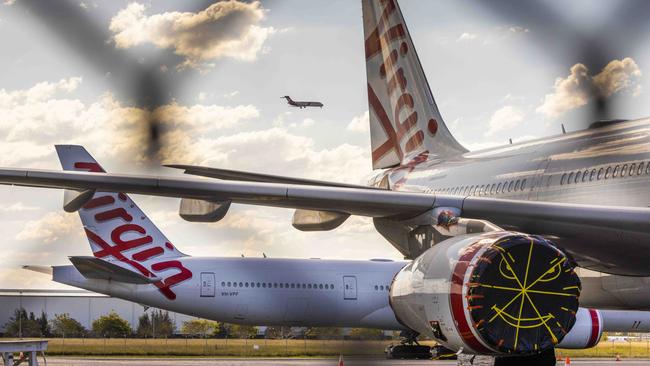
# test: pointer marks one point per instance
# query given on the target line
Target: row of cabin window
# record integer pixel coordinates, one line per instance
(510, 186)
(605, 173)
(308, 286)
(381, 288)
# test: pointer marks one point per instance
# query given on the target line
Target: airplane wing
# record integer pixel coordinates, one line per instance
(226, 174)
(608, 239)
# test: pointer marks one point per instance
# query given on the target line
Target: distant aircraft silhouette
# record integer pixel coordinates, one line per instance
(302, 105)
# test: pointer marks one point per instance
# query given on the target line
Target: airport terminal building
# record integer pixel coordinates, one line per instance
(84, 306)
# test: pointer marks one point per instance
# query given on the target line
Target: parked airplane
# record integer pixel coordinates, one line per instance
(133, 260)
(302, 105)
(493, 236)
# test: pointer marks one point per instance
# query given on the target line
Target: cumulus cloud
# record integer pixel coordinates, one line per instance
(34, 117)
(576, 89)
(17, 207)
(224, 29)
(50, 227)
(360, 123)
(505, 118)
(466, 36)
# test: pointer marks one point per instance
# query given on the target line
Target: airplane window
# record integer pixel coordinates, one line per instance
(600, 173)
(304, 286)
(616, 169)
(647, 168)
(608, 172)
(523, 184)
(632, 169)
(327, 287)
(245, 284)
(563, 179)
(593, 174)
(512, 182)
(258, 285)
(331, 286)
(517, 185)
(320, 287)
(624, 170)
(223, 284)
(381, 288)
(585, 175)
(503, 189)
(570, 178)
(578, 176)
(640, 170)
(275, 285)
(499, 188)
(492, 189)
(347, 287)
(293, 285)
(264, 284)
(241, 284)
(286, 285)
(309, 286)
(376, 287)
(234, 284)
(229, 284)
(281, 285)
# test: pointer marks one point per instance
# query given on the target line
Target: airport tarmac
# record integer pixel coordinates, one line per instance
(74, 361)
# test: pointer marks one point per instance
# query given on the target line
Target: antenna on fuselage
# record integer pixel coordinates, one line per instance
(563, 129)
(510, 141)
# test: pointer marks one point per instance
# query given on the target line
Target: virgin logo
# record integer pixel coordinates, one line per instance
(107, 212)
(400, 128)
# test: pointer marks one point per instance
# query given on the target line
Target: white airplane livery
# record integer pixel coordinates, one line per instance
(495, 241)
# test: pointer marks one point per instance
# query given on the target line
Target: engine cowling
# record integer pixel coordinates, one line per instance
(489, 293)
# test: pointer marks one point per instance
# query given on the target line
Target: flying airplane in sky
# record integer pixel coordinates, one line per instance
(302, 105)
(495, 241)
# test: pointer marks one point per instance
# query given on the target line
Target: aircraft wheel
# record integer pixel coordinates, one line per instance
(546, 358)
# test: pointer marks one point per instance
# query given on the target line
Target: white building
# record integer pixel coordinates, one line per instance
(84, 306)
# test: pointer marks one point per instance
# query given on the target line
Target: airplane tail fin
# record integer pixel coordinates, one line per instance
(118, 231)
(404, 118)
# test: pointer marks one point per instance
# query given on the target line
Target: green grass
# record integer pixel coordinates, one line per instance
(277, 348)
(640, 349)
(213, 347)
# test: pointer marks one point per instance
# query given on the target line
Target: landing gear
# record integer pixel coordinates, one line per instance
(546, 358)
(409, 348)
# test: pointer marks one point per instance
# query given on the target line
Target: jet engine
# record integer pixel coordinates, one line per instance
(489, 293)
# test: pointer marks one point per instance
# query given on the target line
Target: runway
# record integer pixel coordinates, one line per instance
(77, 361)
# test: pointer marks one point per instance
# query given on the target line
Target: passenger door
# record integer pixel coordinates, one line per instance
(349, 287)
(207, 284)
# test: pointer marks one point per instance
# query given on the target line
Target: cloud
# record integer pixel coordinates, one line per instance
(224, 29)
(35, 117)
(518, 29)
(17, 207)
(576, 89)
(505, 118)
(50, 227)
(360, 123)
(467, 37)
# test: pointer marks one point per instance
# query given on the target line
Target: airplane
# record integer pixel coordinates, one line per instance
(301, 105)
(496, 242)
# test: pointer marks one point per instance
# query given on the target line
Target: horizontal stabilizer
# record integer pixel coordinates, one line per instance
(40, 269)
(226, 174)
(98, 269)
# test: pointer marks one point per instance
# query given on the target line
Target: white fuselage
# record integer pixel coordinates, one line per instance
(266, 291)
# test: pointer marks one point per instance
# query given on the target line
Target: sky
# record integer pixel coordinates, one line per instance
(69, 75)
